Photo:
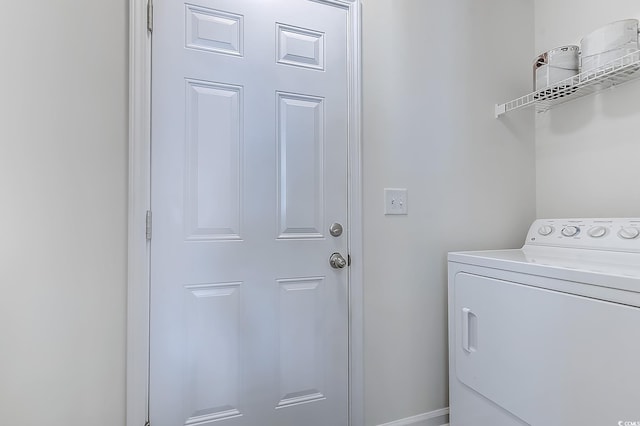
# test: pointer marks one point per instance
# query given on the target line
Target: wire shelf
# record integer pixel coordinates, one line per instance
(614, 73)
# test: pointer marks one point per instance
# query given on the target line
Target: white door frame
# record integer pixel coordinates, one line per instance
(137, 375)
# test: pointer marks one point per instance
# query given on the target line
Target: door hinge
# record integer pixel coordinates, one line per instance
(150, 16)
(148, 225)
(348, 260)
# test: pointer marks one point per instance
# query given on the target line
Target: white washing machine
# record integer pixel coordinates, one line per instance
(548, 335)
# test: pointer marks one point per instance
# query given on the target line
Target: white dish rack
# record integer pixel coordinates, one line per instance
(622, 70)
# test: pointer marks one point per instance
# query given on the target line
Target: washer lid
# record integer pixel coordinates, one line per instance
(602, 268)
(603, 252)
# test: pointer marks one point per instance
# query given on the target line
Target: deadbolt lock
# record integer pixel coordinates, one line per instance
(335, 229)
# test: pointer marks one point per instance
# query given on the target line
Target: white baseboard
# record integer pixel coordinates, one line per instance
(434, 418)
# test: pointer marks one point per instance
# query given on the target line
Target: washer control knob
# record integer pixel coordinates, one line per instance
(570, 231)
(629, 233)
(598, 231)
(545, 230)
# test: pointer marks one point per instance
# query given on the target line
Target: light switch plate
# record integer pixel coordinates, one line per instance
(396, 201)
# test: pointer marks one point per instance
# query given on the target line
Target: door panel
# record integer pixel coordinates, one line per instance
(214, 168)
(249, 323)
(213, 353)
(300, 166)
(214, 30)
(300, 47)
(302, 338)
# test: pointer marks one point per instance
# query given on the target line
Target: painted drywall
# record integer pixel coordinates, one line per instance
(587, 151)
(433, 70)
(63, 182)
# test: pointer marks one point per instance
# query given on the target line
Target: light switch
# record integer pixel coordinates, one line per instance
(396, 201)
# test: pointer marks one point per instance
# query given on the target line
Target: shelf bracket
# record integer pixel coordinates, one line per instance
(500, 109)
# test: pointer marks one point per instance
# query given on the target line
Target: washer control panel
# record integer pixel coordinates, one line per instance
(622, 234)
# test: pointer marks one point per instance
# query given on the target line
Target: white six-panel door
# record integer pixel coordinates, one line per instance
(249, 323)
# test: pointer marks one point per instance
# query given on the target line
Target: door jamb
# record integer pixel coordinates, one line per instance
(355, 224)
(137, 354)
(138, 256)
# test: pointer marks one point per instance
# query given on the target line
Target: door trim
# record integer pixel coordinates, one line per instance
(137, 353)
(137, 356)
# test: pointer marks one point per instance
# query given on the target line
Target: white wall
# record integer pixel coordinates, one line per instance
(433, 70)
(63, 156)
(587, 151)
